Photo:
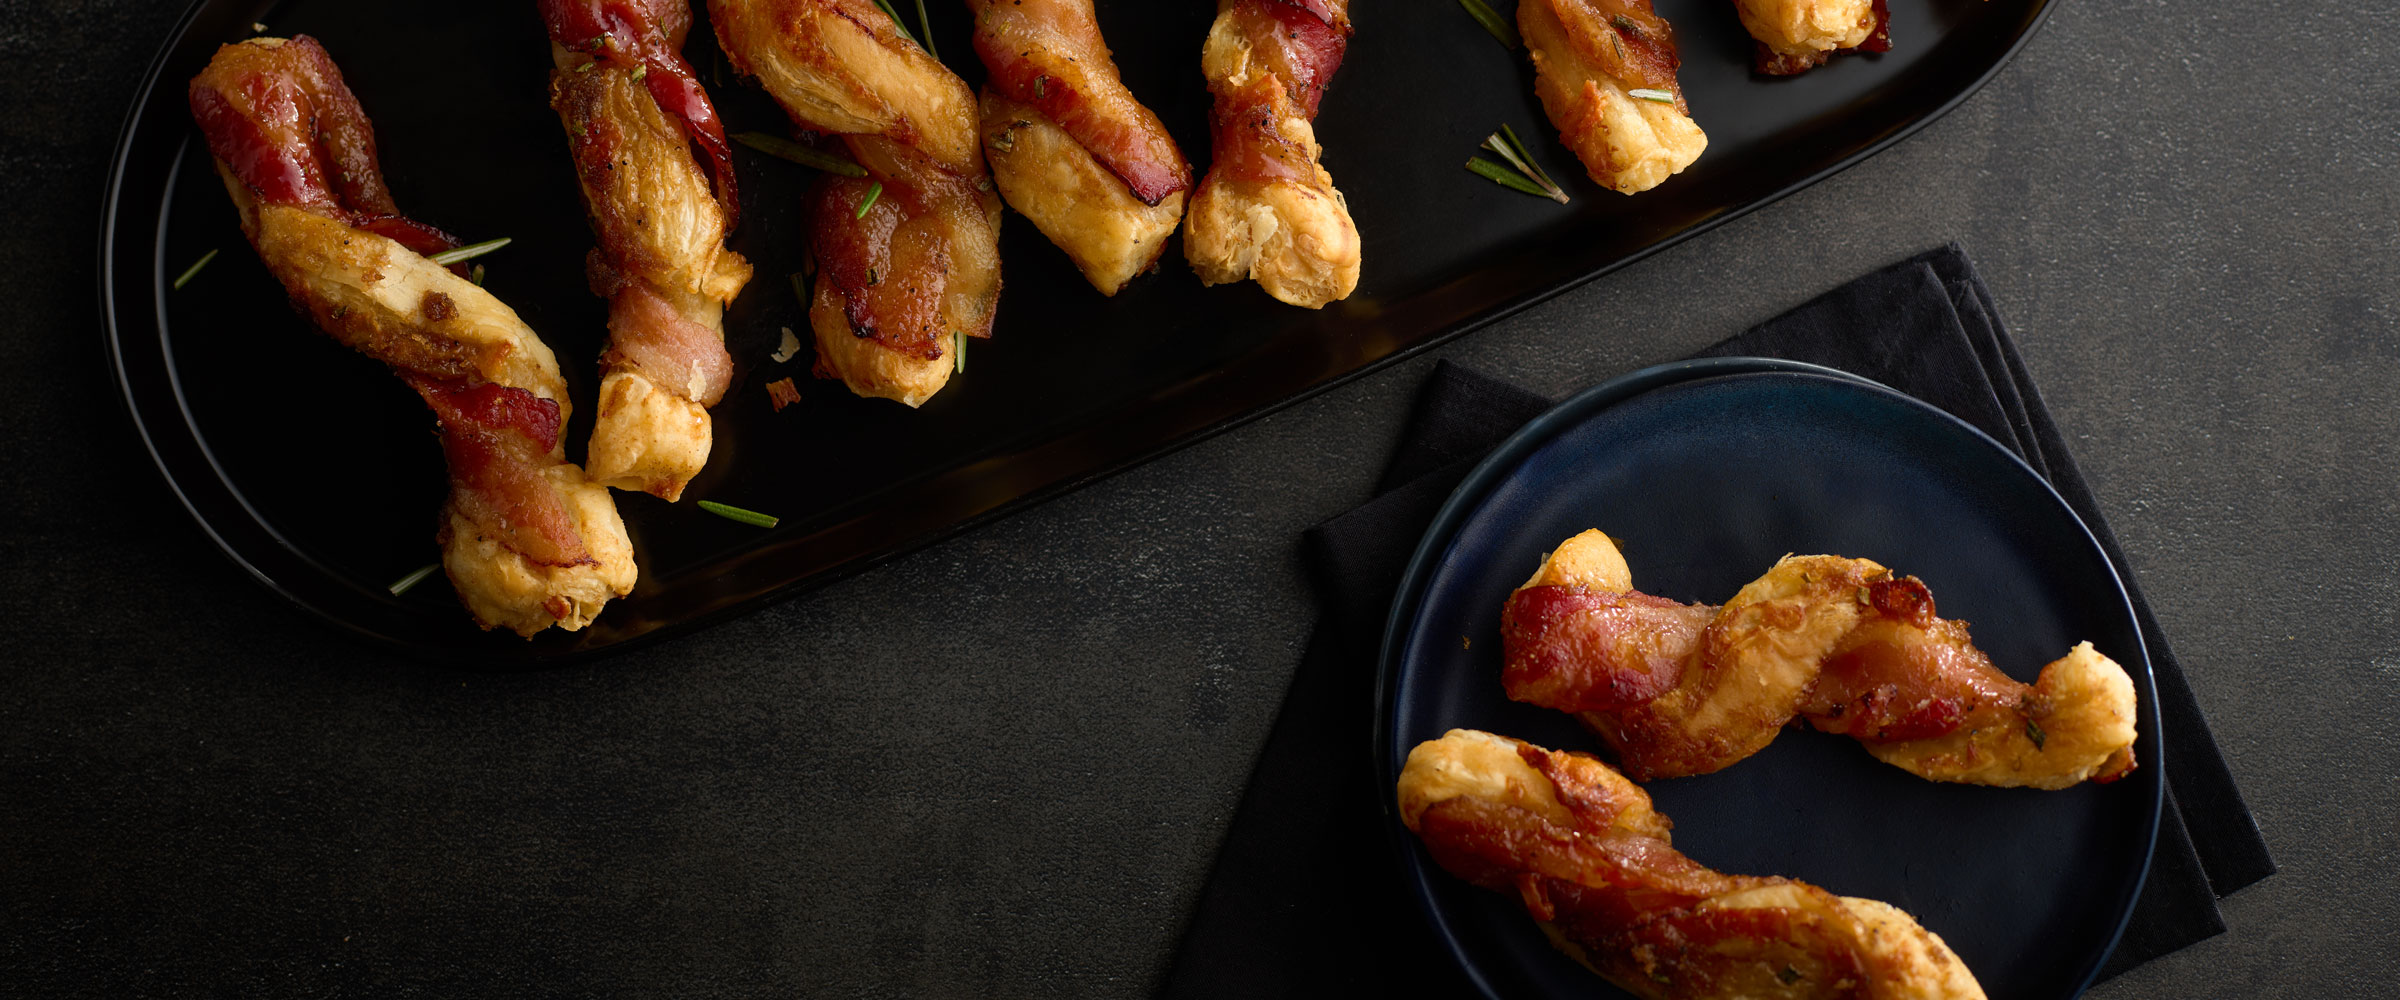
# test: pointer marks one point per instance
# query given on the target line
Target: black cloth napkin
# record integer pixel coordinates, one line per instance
(1306, 897)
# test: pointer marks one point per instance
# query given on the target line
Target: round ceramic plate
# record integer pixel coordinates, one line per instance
(1708, 472)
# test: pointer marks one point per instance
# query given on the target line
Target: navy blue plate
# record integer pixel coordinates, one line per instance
(1708, 471)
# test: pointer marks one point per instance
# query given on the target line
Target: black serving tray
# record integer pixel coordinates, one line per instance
(318, 474)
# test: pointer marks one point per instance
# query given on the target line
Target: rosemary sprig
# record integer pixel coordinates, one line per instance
(874, 191)
(1492, 22)
(401, 585)
(186, 277)
(1504, 177)
(732, 513)
(468, 252)
(925, 28)
(1527, 176)
(785, 149)
(1650, 95)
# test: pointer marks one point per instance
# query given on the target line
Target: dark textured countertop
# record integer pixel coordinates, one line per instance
(1001, 766)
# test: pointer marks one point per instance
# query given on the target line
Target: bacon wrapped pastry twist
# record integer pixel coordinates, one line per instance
(1589, 59)
(908, 257)
(1795, 36)
(1070, 146)
(633, 114)
(527, 540)
(1688, 689)
(1592, 862)
(1267, 210)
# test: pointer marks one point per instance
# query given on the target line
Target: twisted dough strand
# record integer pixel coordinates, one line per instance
(527, 540)
(633, 114)
(1593, 864)
(908, 257)
(1689, 689)
(1268, 211)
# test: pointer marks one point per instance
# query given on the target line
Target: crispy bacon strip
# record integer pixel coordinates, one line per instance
(633, 114)
(527, 541)
(1795, 36)
(1591, 860)
(1268, 210)
(1588, 58)
(1687, 689)
(1070, 146)
(901, 276)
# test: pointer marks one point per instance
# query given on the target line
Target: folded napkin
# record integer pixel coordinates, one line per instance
(1306, 896)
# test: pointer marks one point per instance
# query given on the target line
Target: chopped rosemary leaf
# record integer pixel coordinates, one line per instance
(468, 252)
(732, 513)
(1512, 149)
(401, 585)
(186, 277)
(925, 29)
(2035, 733)
(1504, 177)
(1653, 96)
(785, 149)
(874, 191)
(960, 353)
(1491, 21)
(799, 291)
(898, 24)
(476, 276)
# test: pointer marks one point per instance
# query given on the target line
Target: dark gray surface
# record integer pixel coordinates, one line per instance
(1001, 766)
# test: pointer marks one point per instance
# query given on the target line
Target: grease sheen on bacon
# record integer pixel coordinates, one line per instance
(1069, 145)
(841, 69)
(1688, 689)
(633, 116)
(528, 543)
(1267, 209)
(1592, 862)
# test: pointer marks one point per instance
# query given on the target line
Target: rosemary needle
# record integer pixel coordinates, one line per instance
(925, 28)
(1512, 149)
(1491, 21)
(468, 252)
(733, 513)
(960, 353)
(1653, 96)
(1504, 177)
(874, 191)
(186, 277)
(400, 586)
(785, 149)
